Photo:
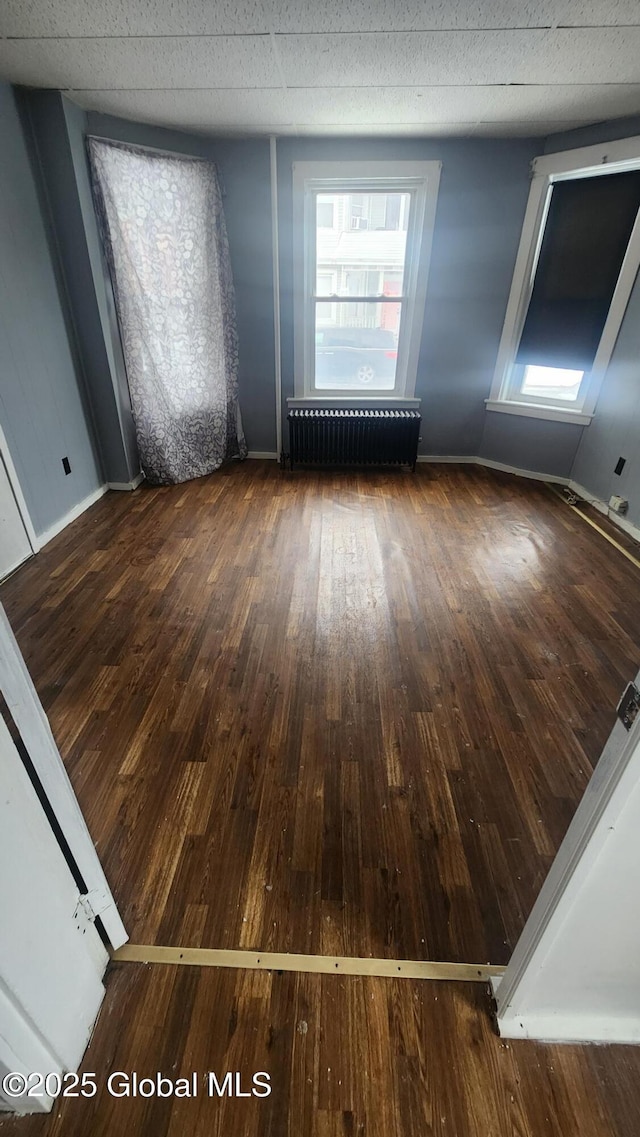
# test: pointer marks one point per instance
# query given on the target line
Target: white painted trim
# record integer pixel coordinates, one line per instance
(422, 179)
(346, 402)
(475, 460)
(536, 410)
(127, 486)
(16, 489)
(588, 161)
(263, 454)
(23, 1050)
(577, 854)
(452, 459)
(572, 1028)
(33, 726)
(275, 255)
(16, 565)
(602, 507)
(48, 535)
(522, 283)
(613, 323)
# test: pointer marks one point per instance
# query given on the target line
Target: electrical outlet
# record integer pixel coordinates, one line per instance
(619, 465)
(66, 465)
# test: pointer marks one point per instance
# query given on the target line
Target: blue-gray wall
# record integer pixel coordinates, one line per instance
(615, 431)
(593, 135)
(43, 407)
(535, 444)
(483, 193)
(55, 134)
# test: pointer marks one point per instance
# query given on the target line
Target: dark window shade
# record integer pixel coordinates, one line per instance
(585, 239)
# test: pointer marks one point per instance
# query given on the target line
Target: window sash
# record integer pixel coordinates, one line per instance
(418, 179)
(593, 161)
(409, 271)
(369, 298)
(513, 392)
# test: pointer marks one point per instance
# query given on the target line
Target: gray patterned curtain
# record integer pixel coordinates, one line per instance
(165, 240)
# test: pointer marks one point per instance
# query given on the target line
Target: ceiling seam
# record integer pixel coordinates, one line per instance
(347, 32)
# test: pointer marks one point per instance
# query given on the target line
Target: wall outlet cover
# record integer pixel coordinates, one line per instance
(618, 504)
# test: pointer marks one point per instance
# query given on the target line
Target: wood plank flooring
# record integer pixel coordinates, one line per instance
(329, 713)
(347, 1057)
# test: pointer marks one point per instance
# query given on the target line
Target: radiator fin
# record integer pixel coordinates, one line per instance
(353, 437)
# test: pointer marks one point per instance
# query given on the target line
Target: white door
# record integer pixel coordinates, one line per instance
(33, 727)
(51, 957)
(574, 975)
(14, 542)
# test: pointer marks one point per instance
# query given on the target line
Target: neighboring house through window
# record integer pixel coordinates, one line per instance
(365, 230)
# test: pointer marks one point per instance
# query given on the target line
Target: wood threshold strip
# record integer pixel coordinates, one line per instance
(594, 525)
(319, 964)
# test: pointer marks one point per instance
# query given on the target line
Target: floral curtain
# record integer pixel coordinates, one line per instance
(165, 240)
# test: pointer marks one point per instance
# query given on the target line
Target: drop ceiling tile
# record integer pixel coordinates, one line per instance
(330, 112)
(218, 61)
(538, 128)
(212, 112)
(346, 105)
(461, 58)
(39, 18)
(412, 15)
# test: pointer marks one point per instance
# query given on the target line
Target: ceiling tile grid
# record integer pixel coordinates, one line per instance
(501, 67)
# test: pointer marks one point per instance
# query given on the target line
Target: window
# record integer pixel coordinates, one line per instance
(325, 213)
(578, 258)
(326, 313)
(372, 263)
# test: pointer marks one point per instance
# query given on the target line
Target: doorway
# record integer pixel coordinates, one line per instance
(15, 544)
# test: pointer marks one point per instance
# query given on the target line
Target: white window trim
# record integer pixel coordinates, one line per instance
(586, 162)
(309, 178)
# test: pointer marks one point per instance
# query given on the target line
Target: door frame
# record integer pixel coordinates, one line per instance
(577, 853)
(14, 482)
(33, 726)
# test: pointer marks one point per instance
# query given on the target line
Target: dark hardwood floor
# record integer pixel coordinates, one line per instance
(331, 713)
(325, 712)
(347, 1057)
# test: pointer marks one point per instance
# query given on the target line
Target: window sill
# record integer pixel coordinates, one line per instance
(538, 410)
(391, 402)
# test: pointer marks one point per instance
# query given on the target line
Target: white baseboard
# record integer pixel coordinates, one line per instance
(48, 535)
(454, 459)
(571, 1028)
(602, 507)
(475, 460)
(263, 454)
(127, 486)
(15, 566)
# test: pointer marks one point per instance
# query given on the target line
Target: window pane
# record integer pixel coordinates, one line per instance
(364, 245)
(552, 382)
(357, 348)
(325, 212)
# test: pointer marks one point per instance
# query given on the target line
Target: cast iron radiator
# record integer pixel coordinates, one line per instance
(321, 437)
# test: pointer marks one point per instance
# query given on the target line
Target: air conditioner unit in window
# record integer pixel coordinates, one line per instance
(359, 223)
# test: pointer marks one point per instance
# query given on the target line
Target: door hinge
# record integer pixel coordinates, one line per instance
(629, 706)
(92, 903)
